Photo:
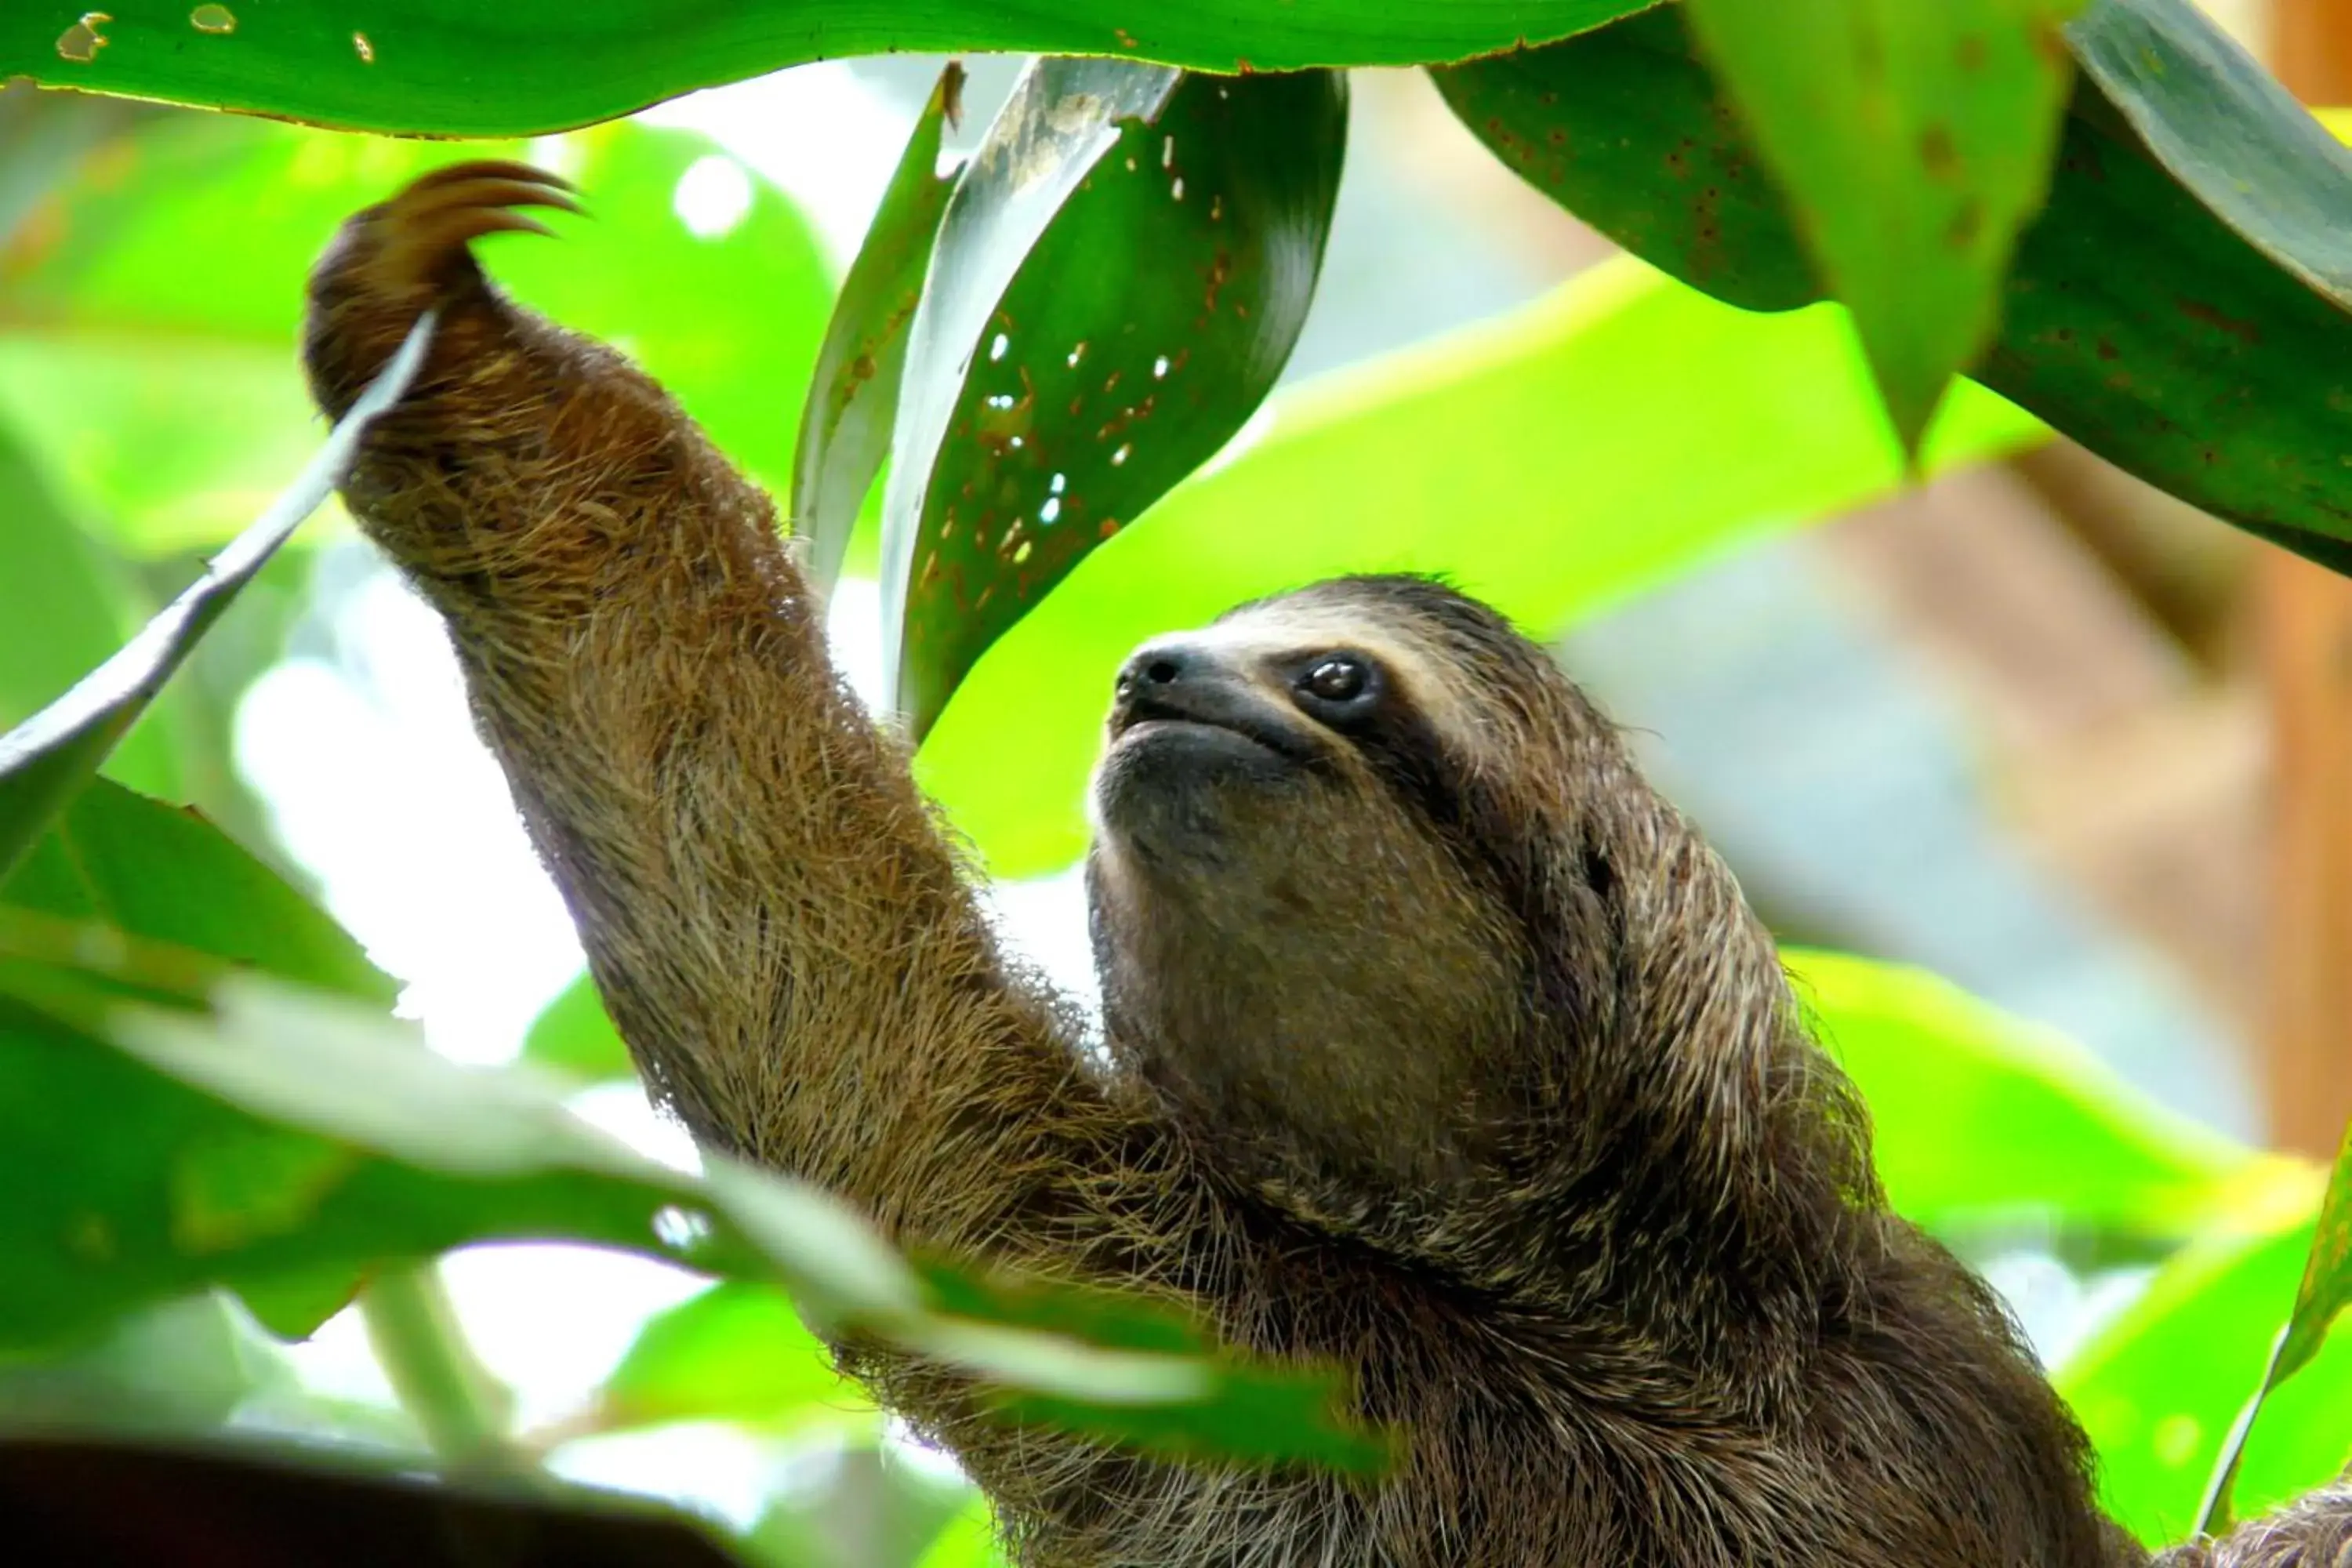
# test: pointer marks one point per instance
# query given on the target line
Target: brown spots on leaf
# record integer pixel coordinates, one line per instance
(2213, 317)
(2105, 349)
(1967, 226)
(1221, 273)
(80, 43)
(1869, 53)
(1972, 53)
(366, 50)
(213, 19)
(1938, 152)
(1109, 526)
(2049, 41)
(1126, 39)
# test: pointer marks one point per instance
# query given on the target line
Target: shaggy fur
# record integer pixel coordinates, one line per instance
(1440, 1048)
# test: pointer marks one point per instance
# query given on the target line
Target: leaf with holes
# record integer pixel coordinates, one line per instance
(854, 395)
(1551, 461)
(1914, 141)
(1080, 393)
(2175, 308)
(424, 66)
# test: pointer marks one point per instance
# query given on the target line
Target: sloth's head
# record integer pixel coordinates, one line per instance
(1375, 888)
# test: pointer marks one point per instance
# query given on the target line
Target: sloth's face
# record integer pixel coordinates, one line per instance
(1271, 721)
(1292, 935)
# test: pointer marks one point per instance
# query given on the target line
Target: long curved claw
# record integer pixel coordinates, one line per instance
(421, 234)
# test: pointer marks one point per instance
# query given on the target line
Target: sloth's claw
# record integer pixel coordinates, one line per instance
(412, 253)
(418, 240)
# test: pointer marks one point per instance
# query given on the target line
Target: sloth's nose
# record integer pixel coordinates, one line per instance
(1159, 666)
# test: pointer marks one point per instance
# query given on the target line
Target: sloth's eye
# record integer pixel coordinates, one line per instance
(1339, 683)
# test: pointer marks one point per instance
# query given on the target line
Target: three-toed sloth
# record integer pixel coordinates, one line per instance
(1439, 1047)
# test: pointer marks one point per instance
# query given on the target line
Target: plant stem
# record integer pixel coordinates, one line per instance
(461, 1407)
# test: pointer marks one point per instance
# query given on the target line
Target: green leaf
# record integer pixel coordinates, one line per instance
(2158, 1389)
(738, 1351)
(2326, 1287)
(573, 1035)
(1062, 118)
(2226, 128)
(69, 604)
(161, 442)
(185, 1367)
(1050, 410)
(1981, 1118)
(967, 1540)
(1625, 129)
(50, 756)
(1553, 460)
(1143, 1376)
(2137, 318)
(164, 306)
(269, 1134)
(420, 66)
(854, 397)
(2319, 1300)
(163, 873)
(1915, 141)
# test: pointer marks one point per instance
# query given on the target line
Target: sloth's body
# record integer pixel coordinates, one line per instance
(1441, 1049)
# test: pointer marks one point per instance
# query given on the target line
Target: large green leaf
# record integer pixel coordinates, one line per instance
(252, 1132)
(2180, 320)
(1552, 460)
(456, 69)
(1915, 141)
(51, 755)
(2158, 1389)
(854, 395)
(1982, 1118)
(156, 871)
(1052, 398)
(158, 318)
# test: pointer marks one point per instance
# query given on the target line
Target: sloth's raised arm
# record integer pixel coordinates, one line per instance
(781, 933)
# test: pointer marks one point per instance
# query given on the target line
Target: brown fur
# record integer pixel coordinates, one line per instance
(1448, 1053)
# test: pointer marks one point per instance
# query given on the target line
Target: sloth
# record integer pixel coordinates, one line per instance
(1434, 1047)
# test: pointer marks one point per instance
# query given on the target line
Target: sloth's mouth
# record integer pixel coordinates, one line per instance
(1215, 710)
